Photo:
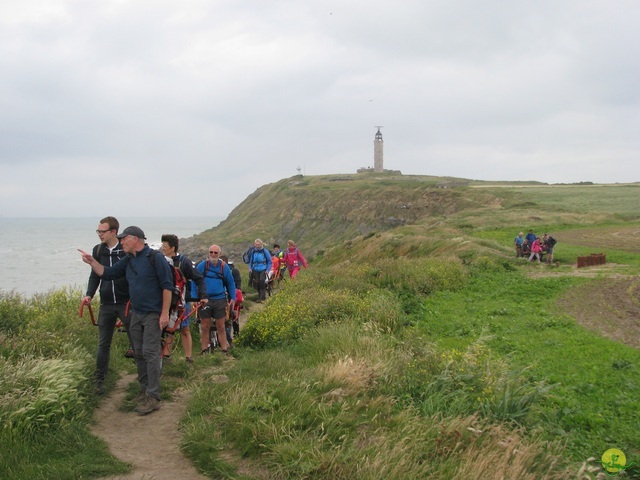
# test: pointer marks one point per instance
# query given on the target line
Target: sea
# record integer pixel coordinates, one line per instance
(41, 254)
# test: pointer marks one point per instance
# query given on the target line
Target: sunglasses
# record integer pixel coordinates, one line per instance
(102, 232)
(213, 251)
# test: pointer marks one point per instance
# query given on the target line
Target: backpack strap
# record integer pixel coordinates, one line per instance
(207, 265)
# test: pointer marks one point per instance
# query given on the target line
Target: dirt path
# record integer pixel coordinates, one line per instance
(608, 306)
(149, 443)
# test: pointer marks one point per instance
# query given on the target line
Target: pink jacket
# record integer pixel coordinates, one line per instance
(535, 246)
(293, 258)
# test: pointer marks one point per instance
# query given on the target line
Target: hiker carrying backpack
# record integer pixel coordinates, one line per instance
(294, 259)
(246, 256)
(221, 293)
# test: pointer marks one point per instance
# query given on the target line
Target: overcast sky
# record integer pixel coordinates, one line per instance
(154, 108)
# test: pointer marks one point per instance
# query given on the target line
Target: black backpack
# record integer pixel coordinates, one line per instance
(179, 283)
(551, 242)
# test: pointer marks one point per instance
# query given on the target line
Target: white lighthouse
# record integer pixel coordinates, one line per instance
(377, 152)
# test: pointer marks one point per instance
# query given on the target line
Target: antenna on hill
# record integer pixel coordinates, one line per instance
(298, 169)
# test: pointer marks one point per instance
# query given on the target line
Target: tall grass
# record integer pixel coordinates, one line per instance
(42, 393)
(46, 401)
(322, 408)
(487, 355)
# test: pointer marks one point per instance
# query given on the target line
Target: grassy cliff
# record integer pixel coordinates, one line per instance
(322, 212)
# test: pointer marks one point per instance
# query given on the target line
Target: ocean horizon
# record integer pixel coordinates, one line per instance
(40, 254)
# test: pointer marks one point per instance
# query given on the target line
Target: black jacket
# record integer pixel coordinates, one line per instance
(191, 273)
(111, 291)
(236, 276)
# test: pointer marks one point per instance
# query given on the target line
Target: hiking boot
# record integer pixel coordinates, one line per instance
(149, 405)
(189, 360)
(138, 399)
(99, 387)
(206, 350)
(129, 353)
(166, 359)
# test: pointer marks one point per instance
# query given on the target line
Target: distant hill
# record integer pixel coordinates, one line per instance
(320, 212)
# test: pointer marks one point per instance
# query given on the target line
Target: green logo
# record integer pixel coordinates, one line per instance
(614, 461)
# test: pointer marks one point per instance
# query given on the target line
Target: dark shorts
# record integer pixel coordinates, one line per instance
(214, 309)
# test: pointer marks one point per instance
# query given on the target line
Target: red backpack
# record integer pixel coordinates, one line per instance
(177, 294)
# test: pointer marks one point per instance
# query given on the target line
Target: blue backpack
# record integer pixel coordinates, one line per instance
(246, 256)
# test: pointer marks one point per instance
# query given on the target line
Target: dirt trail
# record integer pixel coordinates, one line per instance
(149, 443)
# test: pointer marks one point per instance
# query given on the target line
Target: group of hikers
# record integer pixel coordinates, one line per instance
(267, 267)
(154, 293)
(533, 247)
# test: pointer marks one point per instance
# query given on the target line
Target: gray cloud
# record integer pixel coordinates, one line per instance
(113, 105)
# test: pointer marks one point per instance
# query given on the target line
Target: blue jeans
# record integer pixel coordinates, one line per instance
(146, 335)
(107, 318)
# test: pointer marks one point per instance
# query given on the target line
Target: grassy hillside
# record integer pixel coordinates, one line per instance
(416, 345)
(323, 211)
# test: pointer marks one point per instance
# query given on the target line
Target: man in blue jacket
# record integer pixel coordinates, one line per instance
(220, 288)
(150, 288)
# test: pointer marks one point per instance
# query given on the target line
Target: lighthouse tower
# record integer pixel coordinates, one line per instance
(377, 152)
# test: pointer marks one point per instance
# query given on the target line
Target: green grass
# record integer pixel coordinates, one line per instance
(620, 200)
(322, 409)
(596, 381)
(46, 397)
(69, 453)
(566, 251)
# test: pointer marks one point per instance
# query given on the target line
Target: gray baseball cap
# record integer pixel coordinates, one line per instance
(133, 231)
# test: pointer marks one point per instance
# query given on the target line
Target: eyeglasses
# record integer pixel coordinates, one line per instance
(102, 232)
(214, 252)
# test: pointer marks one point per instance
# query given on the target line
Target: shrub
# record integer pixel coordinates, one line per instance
(421, 276)
(294, 312)
(13, 313)
(51, 325)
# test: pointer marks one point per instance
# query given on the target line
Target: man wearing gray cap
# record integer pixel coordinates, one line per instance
(150, 288)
